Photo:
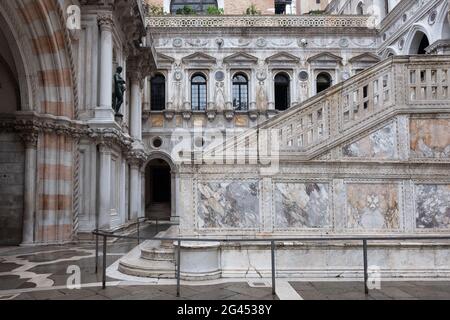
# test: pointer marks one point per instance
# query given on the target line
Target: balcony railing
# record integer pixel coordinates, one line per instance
(257, 21)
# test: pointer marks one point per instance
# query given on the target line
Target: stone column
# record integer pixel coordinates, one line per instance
(104, 183)
(136, 108)
(146, 102)
(173, 194)
(104, 111)
(135, 194)
(30, 140)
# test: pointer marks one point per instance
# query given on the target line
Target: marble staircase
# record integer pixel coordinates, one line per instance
(152, 259)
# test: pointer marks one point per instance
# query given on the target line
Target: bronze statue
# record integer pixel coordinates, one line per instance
(119, 89)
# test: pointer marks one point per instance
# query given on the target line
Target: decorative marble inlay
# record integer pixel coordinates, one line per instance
(432, 206)
(373, 206)
(302, 205)
(157, 121)
(430, 138)
(379, 145)
(228, 204)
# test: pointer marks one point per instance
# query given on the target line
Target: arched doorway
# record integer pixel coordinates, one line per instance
(158, 190)
(12, 153)
(323, 81)
(282, 92)
(419, 43)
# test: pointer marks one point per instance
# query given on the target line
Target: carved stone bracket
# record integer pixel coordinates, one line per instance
(187, 115)
(229, 114)
(253, 114)
(169, 114)
(211, 114)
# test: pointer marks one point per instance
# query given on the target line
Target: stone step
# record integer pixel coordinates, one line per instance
(146, 268)
(158, 254)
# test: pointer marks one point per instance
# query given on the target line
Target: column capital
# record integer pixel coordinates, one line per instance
(104, 147)
(30, 139)
(105, 21)
(136, 158)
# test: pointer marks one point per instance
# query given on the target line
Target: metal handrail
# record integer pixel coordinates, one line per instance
(272, 241)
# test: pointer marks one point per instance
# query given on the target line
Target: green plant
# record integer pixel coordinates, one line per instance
(316, 12)
(252, 10)
(186, 10)
(154, 10)
(214, 11)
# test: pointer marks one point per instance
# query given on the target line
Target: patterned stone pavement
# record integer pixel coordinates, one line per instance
(42, 273)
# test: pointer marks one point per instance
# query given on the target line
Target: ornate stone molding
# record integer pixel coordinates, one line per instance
(257, 21)
(31, 122)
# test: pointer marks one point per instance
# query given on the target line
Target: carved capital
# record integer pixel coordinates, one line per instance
(105, 21)
(30, 139)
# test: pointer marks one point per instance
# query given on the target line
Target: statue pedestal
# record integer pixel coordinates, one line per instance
(104, 114)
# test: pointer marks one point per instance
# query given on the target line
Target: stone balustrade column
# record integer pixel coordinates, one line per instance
(104, 111)
(30, 140)
(104, 190)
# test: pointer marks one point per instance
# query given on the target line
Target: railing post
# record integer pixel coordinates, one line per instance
(105, 238)
(178, 267)
(366, 275)
(157, 227)
(138, 228)
(96, 251)
(272, 249)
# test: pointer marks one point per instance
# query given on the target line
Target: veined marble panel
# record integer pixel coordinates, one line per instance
(373, 206)
(430, 138)
(432, 206)
(378, 145)
(302, 205)
(228, 204)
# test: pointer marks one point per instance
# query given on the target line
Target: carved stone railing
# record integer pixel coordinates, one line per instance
(417, 83)
(400, 84)
(257, 21)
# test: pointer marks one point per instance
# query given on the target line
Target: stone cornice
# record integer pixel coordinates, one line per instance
(30, 124)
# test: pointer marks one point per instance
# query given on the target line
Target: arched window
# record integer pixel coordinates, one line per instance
(324, 81)
(240, 92)
(282, 92)
(360, 9)
(158, 93)
(198, 92)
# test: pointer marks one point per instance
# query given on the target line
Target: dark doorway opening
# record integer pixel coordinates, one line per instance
(282, 84)
(419, 43)
(158, 190)
(424, 43)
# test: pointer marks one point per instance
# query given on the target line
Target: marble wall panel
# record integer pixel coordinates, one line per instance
(228, 204)
(430, 138)
(432, 206)
(381, 144)
(373, 206)
(302, 205)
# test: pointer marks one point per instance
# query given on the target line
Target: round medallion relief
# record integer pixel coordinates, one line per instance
(432, 17)
(303, 75)
(219, 76)
(177, 42)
